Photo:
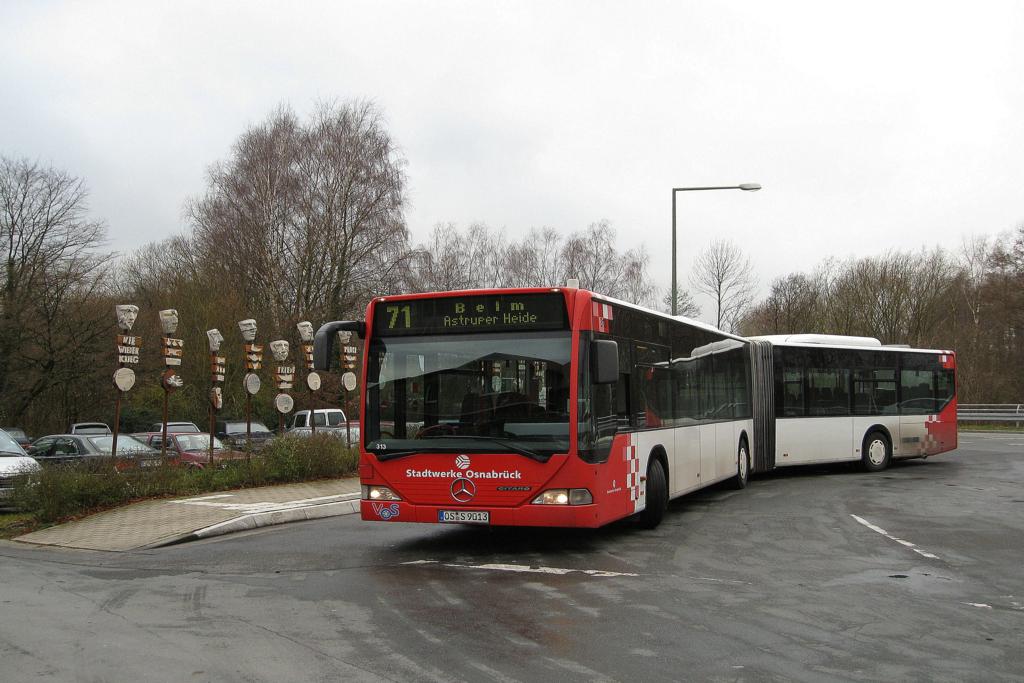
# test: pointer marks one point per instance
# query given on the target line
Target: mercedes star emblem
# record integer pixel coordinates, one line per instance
(463, 490)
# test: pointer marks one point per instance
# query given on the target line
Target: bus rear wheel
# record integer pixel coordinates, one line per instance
(656, 495)
(742, 476)
(876, 452)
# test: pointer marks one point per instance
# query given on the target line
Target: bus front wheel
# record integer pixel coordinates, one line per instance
(742, 476)
(656, 495)
(876, 453)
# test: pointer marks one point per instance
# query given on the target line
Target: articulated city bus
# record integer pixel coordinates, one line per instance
(562, 407)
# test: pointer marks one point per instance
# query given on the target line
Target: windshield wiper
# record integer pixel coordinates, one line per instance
(11, 453)
(399, 453)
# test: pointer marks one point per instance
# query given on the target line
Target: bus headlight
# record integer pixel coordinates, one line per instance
(379, 493)
(564, 497)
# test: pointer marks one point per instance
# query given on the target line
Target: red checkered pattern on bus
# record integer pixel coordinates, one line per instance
(602, 316)
(633, 474)
(929, 444)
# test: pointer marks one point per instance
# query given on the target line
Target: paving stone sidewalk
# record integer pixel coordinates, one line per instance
(156, 523)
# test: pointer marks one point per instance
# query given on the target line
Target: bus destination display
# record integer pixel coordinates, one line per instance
(476, 313)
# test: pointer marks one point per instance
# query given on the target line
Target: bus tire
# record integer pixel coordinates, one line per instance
(876, 454)
(742, 476)
(656, 495)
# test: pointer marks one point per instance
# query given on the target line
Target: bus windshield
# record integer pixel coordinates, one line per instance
(472, 393)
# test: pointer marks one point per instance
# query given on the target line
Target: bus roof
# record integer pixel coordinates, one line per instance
(837, 341)
(668, 316)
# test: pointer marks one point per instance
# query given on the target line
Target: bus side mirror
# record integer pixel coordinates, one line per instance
(604, 361)
(323, 342)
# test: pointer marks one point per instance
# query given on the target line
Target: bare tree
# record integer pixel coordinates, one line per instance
(49, 285)
(722, 272)
(793, 301)
(685, 304)
(452, 260)
(591, 257)
(305, 219)
(481, 257)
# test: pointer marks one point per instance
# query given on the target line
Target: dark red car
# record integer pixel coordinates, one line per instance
(192, 450)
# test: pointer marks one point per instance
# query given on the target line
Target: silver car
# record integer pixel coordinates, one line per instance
(58, 449)
(14, 462)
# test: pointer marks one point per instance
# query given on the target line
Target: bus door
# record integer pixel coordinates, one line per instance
(687, 412)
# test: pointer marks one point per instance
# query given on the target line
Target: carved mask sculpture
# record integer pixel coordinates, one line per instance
(305, 329)
(248, 329)
(215, 338)
(345, 336)
(126, 314)
(280, 350)
(169, 321)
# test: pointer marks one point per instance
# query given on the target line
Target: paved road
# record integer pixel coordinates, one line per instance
(820, 574)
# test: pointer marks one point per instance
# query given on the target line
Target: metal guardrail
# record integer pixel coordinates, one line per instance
(990, 412)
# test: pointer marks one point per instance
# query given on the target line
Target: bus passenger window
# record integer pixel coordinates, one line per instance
(827, 391)
(792, 392)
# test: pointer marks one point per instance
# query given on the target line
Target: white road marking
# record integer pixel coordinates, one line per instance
(893, 538)
(978, 604)
(558, 571)
(252, 508)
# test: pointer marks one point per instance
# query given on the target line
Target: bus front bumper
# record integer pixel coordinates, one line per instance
(523, 515)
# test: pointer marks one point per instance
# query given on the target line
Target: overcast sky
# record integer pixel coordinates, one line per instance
(871, 125)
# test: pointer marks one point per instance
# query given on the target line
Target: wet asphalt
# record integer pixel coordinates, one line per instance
(816, 574)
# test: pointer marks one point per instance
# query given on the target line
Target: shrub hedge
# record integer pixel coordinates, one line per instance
(60, 492)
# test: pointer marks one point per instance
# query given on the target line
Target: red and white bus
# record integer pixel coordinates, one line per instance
(562, 407)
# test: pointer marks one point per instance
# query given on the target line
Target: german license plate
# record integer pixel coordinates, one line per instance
(464, 516)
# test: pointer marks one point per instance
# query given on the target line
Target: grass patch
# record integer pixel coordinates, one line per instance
(15, 524)
(62, 492)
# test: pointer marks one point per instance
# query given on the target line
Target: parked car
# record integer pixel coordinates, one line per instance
(14, 463)
(19, 435)
(322, 417)
(69, 448)
(193, 450)
(232, 433)
(89, 428)
(327, 420)
(176, 427)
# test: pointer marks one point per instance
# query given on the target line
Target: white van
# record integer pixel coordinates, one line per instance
(322, 417)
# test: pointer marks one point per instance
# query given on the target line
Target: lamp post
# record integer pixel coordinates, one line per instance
(746, 187)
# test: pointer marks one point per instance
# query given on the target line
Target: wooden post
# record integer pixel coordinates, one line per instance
(248, 425)
(312, 414)
(117, 423)
(163, 436)
(213, 426)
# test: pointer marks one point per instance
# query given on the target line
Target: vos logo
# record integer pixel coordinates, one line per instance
(385, 511)
(462, 462)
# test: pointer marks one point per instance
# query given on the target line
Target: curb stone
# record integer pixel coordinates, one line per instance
(259, 520)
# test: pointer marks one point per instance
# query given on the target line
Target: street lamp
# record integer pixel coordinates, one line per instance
(746, 187)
